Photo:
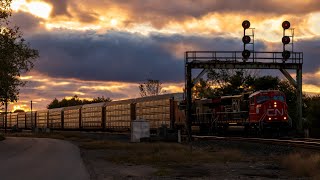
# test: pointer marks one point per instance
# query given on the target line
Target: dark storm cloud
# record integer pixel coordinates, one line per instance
(26, 22)
(60, 7)
(118, 56)
(113, 57)
(311, 54)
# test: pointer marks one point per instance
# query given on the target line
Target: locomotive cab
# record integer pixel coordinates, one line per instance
(268, 109)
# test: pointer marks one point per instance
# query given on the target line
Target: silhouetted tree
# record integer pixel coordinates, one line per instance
(74, 101)
(312, 112)
(228, 82)
(18, 110)
(16, 57)
(150, 88)
(265, 83)
(101, 99)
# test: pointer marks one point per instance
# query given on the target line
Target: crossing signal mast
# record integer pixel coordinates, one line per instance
(246, 39)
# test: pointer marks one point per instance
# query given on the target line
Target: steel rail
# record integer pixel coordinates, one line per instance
(305, 143)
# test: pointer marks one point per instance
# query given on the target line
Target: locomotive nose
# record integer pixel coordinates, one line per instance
(276, 111)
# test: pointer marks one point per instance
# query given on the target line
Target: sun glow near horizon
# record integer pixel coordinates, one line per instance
(36, 8)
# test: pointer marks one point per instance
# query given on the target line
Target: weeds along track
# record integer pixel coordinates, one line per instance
(305, 143)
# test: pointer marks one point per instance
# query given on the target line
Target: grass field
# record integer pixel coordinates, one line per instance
(161, 154)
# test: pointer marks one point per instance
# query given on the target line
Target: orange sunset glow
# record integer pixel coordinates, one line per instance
(106, 48)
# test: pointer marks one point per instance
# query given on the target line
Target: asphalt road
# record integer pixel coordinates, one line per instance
(43, 159)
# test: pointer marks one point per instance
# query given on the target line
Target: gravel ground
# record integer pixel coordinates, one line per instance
(257, 161)
(261, 161)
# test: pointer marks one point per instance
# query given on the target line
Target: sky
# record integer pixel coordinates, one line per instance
(107, 47)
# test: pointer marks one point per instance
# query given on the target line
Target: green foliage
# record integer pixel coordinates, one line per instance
(16, 56)
(150, 88)
(74, 101)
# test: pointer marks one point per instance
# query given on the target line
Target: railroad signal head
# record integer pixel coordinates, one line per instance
(286, 25)
(286, 54)
(246, 54)
(246, 39)
(246, 24)
(285, 39)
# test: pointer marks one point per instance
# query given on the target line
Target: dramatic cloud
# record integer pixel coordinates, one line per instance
(106, 47)
(27, 23)
(310, 48)
(119, 56)
(195, 8)
(59, 7)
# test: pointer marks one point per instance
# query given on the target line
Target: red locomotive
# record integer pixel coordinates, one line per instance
(256, 112)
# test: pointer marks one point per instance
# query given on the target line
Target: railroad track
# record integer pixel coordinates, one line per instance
(305, 143)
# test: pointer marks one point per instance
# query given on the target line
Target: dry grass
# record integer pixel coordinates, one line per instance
(303, 165)
(37, 135)
(70, 136)
(160, 153)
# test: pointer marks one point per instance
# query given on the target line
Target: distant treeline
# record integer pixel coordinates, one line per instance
(74, 101)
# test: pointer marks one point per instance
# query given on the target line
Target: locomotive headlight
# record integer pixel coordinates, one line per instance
(275, 105)
(269, 118)
(285, 118)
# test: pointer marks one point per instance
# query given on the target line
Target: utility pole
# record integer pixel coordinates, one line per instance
(5, 115)
(31, 116)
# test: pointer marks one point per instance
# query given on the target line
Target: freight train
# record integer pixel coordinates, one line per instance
(110, 116)
(256, 112)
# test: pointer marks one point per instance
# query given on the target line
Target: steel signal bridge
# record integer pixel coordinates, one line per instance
(234, 60)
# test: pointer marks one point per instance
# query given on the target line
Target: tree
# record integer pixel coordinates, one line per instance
(18, 110)
(265, 83)
(150, 88)
(312, 113)
(228, 81)
(16, 57)
(291, 99)
(101, 99)
(74, 101)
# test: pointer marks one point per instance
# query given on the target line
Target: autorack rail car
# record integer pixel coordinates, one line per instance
(92, 115)
(71, 117)
(55, 116)
(119, 114)
(21, 120)
(110, 116)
